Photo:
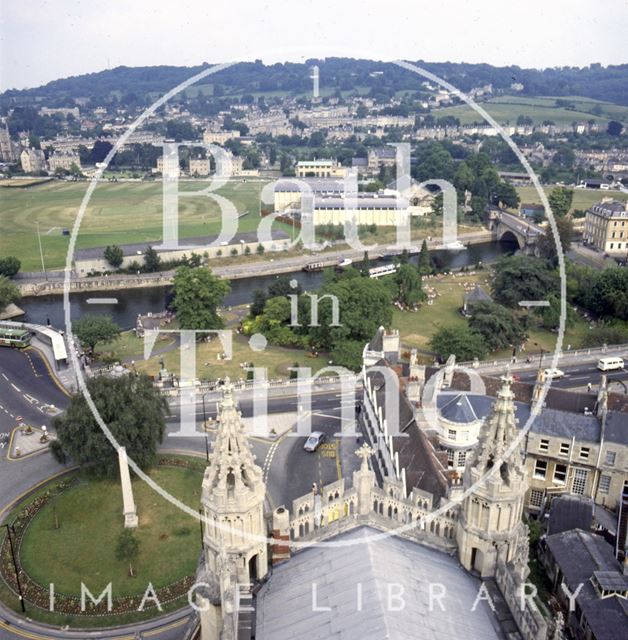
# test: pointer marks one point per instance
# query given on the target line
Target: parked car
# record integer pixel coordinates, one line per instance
(314, 441)
(554, 374)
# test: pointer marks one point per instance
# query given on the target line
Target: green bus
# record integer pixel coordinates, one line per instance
(16, 338)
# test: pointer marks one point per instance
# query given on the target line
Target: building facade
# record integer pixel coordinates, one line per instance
(33, 160)
(606, 227)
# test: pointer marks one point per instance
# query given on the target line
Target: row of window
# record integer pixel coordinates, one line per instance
(452, 434)
(583, 454)
(578, 487)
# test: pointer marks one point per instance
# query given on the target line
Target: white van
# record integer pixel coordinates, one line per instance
(611, 363)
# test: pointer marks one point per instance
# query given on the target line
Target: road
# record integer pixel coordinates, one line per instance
(577, 376)
(26, 385)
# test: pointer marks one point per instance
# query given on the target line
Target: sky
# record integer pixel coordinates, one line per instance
(42, 40)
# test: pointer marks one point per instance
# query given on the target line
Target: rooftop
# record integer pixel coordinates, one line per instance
(286, 604)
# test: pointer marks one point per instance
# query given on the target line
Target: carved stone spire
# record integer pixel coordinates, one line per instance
(497, 435)
(232, 474)
(490, 530)
(233, 499)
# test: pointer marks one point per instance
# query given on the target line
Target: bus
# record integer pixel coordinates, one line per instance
(16, 338)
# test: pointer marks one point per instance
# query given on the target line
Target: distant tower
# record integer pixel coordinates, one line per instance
(490, 529)
(7, 151)
(235, 549)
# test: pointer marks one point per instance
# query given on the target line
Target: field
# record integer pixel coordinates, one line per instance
(582, 198)
(506, 109)
(118, 213)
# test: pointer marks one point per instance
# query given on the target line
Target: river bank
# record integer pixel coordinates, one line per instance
(53, 282)
(154, 296)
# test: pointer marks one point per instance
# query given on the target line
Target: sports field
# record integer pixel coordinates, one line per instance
(506, 109)
(118, 213)
(582, 198)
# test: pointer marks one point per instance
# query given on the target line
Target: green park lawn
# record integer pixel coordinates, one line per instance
(417, 327)
(118, 213)
(90, 519)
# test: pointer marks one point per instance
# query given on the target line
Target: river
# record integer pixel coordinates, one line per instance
(131, 302)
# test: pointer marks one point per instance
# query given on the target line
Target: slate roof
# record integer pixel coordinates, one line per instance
(416, 454)
(553, 422)
(579, 554)
(285, 603)
(477, 295)
(459, 409)
(570, 512)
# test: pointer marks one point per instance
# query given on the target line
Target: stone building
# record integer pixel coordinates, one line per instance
(33, 161)
(421, 531)
(606, 227)
(64, 161)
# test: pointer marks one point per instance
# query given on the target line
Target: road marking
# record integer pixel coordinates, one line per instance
(534, 303)
(5, 377)
(102, 300)
(16, 388)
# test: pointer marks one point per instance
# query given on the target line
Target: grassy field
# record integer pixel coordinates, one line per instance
(582, 198)
(506, 109)
(118, 213)
(417, 328)
(90, 519)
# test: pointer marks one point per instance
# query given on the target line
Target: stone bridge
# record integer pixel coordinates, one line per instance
(513, 228)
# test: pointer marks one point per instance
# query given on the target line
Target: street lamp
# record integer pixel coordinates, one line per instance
(11, 529)
(242, 244)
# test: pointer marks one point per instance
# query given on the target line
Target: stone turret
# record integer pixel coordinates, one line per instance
(235, 548)
(490, 529)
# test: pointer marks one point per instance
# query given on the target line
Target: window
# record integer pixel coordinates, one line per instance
(540, 469)
(451, 434)
(464, 436)
(610, 458)
(605, 484)
(462, 458)
(560, 473)
(450, 458)
(544, 445)
(584, 453)
(536, 498)
(579, 481)
(564, 449)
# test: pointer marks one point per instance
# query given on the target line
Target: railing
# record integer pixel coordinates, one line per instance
(521, 363)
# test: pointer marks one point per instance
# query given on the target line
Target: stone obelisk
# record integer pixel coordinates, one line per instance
(128, 509)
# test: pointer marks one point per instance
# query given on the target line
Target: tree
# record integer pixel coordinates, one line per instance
(90, 330)
(9, 293)
(114, 255)
(260, 249)
(560, 201)
(259, 300)
(547, 245)
(506, 195)
(519, 278)
(281, 287)
(614, 128)
(464, 343)
(348, 354)
(366, 265)
(425, 262)
(406, 285)
(127, 548)
(9, 266)
(152, 261)
(197, 296)
(500, 327)
(133, 410)
(364, 305)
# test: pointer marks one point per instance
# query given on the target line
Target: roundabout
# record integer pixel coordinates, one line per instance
(65, 538)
